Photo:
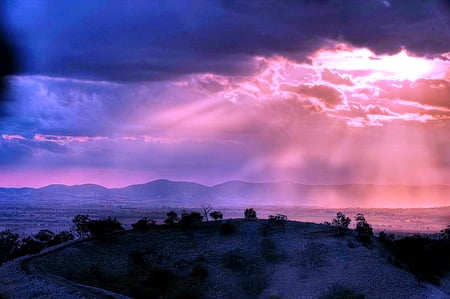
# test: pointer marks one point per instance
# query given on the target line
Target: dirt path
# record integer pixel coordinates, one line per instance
(19, 279)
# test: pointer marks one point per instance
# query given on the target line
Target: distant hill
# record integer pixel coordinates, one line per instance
(238, 193)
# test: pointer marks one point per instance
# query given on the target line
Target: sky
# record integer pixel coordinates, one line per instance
(314, 92)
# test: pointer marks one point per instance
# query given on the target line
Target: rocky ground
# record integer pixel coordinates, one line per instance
(302, 260)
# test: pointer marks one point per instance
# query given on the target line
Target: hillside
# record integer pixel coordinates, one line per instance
(160, 193)
(302, 260)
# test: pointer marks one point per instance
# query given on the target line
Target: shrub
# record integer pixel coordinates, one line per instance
(386, 239)
(427, 258)
(250, 213)
(29, 245)
(44, 236)
(341, 221)
(8, 243)
(80, 225)
(362, 226)
(102, 227)
(278, 220)
(191, 218)
(143, 224)
(339, 292)
(445, 233)
(363, 229)
(62, 237)
(172, 218)
(216, 215)
(227, 228)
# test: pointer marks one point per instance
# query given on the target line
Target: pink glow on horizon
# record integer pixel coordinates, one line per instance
(346, 116)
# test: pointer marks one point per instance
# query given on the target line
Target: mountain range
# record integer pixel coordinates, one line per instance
(238, 193)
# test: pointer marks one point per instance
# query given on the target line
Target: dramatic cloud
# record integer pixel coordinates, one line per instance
(140, 41)
(318, 92)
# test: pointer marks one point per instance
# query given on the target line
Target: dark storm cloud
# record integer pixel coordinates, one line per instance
(142, 40)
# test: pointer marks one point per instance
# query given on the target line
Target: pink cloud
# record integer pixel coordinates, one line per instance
(62, 140)
(10, 137)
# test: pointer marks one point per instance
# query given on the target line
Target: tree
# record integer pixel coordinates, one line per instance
(143, 224)
(445, 233)
(362, 226)
(278, 220)
(190, 218)
(45, 236)
(102, 227)
(29, 245)
(8, 243)
(341, 221)
(206, 211)
(62, 237)
(81, 225)
(250, 213)
(363, 229)
(216, 215)
(172, 218)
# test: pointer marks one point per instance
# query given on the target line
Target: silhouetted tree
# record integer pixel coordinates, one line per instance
(362, 226)
(278, 220)
(81, 225)
(143, 224)
(341, 221)
(8, 243)
(190, 218)
(62, 237)
(45, 236)
(206, 211)
(172, 218)
(250, 213)
(363, 229)
(445, 233)
(216, 215)
(386, 239)
(102, 227)
(29, 245)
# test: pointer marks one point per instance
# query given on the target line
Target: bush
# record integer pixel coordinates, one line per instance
(143, 224)
(363, 229)
(427, 258)
(339, 292)
(80, 225)
(216, 215)
(8, 243)
(62, 237)
(250, 213)
(341, 221)
(172, 218)
(191, 218)
(386, 239)
(227, 228)
(102, 227)
(445, 233)
(278, 220)
(29, 245)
